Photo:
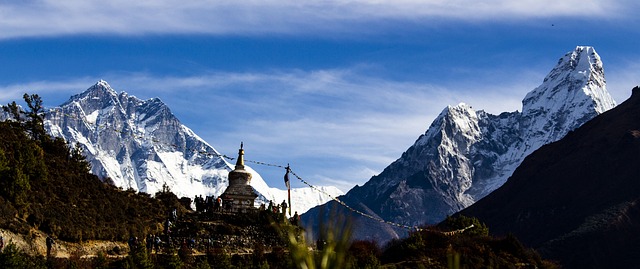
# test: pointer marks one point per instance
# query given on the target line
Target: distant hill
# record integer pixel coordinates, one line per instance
(577, 200)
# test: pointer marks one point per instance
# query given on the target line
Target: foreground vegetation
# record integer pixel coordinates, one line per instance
(428, 248)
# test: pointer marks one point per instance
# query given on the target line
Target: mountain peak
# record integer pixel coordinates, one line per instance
(103, 83)
(582, 63)
(459, 107)
(101, 86)
(575, 86)
(584, 57)
(101, 90)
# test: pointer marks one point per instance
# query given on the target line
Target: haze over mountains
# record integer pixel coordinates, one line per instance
(141, 145)
(466, 154)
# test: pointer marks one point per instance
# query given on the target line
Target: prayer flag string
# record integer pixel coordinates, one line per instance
(288, 170)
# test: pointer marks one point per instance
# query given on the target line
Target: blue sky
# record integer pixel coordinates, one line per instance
(339, 89)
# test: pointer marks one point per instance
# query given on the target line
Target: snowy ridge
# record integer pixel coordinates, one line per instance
(140, 145)
(572, 93)
(466, 154)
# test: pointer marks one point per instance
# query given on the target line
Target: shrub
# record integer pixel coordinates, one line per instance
(11, 257)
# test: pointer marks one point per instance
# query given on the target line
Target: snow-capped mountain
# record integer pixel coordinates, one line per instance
(139, 144)
(465, 154)
(571, 94)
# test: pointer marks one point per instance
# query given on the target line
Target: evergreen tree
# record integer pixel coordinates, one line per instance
(15, 111)
(35, 115)
(22, 163)
(79, 159)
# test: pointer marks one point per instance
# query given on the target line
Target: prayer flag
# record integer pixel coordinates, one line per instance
(286, 178)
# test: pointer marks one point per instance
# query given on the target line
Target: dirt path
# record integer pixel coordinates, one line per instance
(34, 244)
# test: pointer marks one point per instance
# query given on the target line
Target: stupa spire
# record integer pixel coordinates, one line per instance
(240, 161)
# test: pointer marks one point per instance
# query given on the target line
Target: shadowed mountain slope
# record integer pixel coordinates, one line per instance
(577, 200)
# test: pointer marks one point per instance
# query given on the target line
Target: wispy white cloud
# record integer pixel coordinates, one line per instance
(335, 125)
(52, 92)
(53, 18)
(338, 124)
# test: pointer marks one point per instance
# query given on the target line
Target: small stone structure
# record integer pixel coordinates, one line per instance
(239, 195)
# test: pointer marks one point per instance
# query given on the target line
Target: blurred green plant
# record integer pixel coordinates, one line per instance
(330, 249)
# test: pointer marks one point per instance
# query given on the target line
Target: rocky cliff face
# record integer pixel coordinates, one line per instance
(466, 154)
(138, 144)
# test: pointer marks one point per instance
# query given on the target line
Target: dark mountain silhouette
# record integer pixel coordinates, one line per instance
(577, 200)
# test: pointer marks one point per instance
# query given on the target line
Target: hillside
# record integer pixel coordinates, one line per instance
(46, 185)
(576, 200)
